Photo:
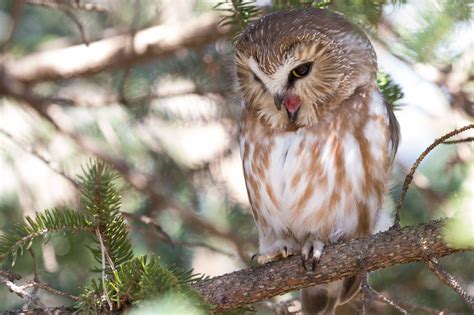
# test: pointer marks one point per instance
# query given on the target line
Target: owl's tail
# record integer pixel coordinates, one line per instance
(323, 299)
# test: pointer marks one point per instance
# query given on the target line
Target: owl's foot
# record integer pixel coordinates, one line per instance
(279, 253)
(312, 251)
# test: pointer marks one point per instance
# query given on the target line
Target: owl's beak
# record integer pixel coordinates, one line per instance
(292, 115)
(278, 99)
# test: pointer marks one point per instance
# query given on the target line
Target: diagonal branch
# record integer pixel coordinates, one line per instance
(423, 155)
(116, 51)
(393, 247)
(76, 4)
(449, 280)
(141, 181)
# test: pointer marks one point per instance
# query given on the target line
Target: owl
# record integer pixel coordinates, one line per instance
(317, 138)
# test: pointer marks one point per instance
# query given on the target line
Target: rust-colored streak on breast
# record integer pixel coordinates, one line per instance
(255, 158)
(246, 151)
(338, 164)
(315, 170)
(301, 147)
(296, 179)
(330, 205)
(308, 193)
(363, 214)
(364, 227)
(266, 157)
(271, 195)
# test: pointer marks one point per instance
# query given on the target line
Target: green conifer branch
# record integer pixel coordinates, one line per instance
(102, 201)
(390, 90)
(43, 224)
(141, 278)
(238, 14)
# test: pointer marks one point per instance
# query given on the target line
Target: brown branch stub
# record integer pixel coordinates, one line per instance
(393, 247)
(117, 51)
(21, 292)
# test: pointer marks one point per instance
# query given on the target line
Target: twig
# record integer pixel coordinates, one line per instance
(21, 292)
(468, 139)
(386, 300)
(76, 4)
(167, 238)
(35, 274)
(77, 22)
(424, 309)
(30, 149)
(150, 222)
(111, 98)
(203, 245)
(122, 98)
(35, 265)
(449, 280)
(104, 276)
(409, 177)
(14, 277)
(364, 283)
(10, 275)
(143, 182)
(365, 294)
(15, 16)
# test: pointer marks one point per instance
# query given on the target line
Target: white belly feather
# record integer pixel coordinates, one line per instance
(303, 164)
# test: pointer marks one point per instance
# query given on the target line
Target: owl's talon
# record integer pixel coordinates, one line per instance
(285, 252)
(254, 258)
(312, 251)
(280, 253)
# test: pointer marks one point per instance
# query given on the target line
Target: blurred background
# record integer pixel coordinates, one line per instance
(168, 122)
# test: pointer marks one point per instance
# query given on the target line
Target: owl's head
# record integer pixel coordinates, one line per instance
(293, 67)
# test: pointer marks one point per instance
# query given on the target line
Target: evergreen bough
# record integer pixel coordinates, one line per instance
(125, 279)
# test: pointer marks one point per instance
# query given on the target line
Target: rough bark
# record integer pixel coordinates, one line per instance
(117, 51)
(393, 247)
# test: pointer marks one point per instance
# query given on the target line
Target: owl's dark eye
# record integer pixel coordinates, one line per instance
(301, 70)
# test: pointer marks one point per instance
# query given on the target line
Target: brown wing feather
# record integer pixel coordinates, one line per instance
(394, 129)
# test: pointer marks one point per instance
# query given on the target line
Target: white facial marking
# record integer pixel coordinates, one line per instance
(276, 82)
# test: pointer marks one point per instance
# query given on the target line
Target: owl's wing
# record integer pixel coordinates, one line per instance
(394, 130)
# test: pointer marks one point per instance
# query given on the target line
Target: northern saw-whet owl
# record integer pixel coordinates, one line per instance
(317, 139)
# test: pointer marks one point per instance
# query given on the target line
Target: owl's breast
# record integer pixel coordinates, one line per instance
(324, 182)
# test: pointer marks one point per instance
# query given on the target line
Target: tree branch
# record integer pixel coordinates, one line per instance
(141, 181)
(117, 51)
(393, 247)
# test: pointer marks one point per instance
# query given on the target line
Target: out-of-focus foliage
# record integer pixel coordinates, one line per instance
(126, 279)
(237, 13)
(177, 119)
(390, 90)
(291, 4)
(20, 239)
(436, 23)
